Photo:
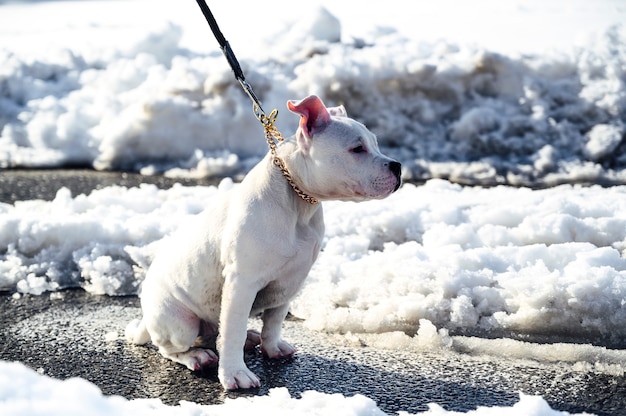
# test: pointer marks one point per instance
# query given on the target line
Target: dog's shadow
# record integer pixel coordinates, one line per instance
(392, 391)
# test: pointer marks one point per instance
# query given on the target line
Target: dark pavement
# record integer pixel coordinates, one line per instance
(72, 333)
(23, 184)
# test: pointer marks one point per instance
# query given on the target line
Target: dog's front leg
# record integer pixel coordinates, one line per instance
(271, 343)
(237, 299)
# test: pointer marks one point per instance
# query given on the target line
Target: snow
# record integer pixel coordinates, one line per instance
(536, 96)
(548, 261)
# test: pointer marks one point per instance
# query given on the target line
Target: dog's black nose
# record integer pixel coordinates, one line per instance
(395, 168)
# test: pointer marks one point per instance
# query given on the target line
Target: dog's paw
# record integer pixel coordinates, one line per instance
(195, 359)
(204, 358)
(281, 349)
(240, 378)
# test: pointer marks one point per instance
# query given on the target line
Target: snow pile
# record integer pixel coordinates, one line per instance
(444, 109)
(101, 242)
(24, 392)
(463, 259)
(549, 261)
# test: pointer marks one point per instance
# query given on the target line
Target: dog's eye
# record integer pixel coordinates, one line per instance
(358, 149)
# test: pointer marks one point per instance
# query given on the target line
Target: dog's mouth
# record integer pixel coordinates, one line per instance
(398, 183)
(377, 188)
(384, 187)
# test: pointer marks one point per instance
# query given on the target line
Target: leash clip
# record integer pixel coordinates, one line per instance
(256, 103)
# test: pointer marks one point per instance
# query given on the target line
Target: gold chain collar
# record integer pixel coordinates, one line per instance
(272, 135)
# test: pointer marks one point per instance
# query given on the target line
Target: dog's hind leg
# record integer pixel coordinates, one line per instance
(176, 333)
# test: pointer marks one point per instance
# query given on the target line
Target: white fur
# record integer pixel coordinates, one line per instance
(250, 252)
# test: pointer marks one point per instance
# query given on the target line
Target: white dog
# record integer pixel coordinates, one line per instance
(250, 252)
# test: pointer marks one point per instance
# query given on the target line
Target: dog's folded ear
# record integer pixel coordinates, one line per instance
(313, 114)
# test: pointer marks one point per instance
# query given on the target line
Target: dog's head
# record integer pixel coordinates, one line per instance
(340, 157)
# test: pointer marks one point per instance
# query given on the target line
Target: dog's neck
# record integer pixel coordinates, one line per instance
(280, 164)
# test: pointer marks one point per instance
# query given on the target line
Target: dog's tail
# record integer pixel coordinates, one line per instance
(136, 332)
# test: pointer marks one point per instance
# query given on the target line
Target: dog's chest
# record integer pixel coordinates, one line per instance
(286, 284)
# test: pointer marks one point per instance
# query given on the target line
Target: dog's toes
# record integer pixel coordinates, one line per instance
(281, 350)
(242, 379)
(197, 358)
(207, 359)
(194, 359)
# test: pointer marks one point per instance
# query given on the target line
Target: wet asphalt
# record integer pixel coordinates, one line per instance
(75, 334)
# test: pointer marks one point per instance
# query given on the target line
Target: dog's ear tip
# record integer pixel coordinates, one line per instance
(313, 113)
(307, 100)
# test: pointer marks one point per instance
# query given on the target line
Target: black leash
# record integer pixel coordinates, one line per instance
(232, 60)
(271, 132)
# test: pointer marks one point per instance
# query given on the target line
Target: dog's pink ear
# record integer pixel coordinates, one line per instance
(313, 114)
